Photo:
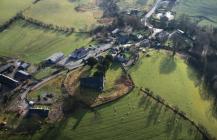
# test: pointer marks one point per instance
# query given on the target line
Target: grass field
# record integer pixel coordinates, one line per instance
(207, 9)
(51, 87)
(132, 117)
(135, 4)
(63, 13)
(9, 8)
(175, 82)
(33, 44)
(43, 73)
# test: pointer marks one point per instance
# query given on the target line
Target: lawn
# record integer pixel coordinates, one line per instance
(177, 83)
(135, 4)
(132, 117)
(207, 9)
(63, 13)
(33, 44)
(9, 8)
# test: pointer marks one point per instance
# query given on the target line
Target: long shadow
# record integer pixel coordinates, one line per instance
(153, 114)
(79, 115)
(167, 65)
(170, 124)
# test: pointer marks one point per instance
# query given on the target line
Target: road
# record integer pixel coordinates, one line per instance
(148, 15)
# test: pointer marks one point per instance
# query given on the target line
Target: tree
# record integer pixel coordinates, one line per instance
(109, 57)
(39, 98)
(92, 61)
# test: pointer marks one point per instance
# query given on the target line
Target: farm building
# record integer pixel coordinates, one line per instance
(22, 75)
(41, 112)
(5, 68)
(9, 82)
(56, 57)
(24, 66)
(96, 83)
(79, 53)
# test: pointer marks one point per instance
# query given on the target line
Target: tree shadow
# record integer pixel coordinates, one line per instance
(167, 65)
(153, 114)
(79, 115)
(170, 124)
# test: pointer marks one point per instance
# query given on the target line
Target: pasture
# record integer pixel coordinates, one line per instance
(80, 14)
(132, 117)
(135, 4)
(177, 83)
(51, 87)
(32, 44)
(9, 8)
(205, 11)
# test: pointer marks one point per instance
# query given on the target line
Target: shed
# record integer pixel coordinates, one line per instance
(5, 68)
(96, 83)
(8, 81)
(56, 57)
(41, 112)
(22, 75)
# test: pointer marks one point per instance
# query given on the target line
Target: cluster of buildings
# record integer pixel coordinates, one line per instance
(13, 74)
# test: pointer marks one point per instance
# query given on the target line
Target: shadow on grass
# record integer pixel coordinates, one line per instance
(154, 113)
(167, 65)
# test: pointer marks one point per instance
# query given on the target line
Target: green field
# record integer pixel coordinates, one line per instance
(52, 87)
(43, 73)
(33, 44)
(175, 82)
(135, 4)
(63, 13)
(132, 117)
(9, 8)
(207, 9)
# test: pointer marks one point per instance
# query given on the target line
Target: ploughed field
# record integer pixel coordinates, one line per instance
(203, 10)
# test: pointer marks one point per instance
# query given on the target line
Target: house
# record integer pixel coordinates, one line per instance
(41, 112)
(9, 82)
(56, 57)
(5, 68)
(162, 36)
(24, 66)
(79, 54)
(120, 58)
(116, 31)
(22, 75)
(145, 43)
(96, 83)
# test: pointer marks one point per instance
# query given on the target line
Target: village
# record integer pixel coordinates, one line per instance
(120, 44)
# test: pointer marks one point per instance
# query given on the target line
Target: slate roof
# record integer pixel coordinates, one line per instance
(5, 68)
(79, 53)
(55, 57)
(8, 81)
